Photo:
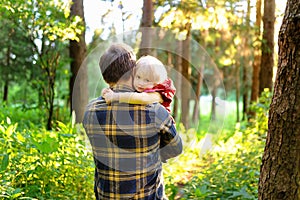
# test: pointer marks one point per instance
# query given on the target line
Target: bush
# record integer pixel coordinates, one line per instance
(26, 117)
(230, 170)
(39, 164)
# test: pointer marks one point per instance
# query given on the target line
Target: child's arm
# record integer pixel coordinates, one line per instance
(132, 97)
(139, 98)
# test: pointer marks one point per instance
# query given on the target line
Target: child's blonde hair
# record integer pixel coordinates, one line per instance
(153, 67)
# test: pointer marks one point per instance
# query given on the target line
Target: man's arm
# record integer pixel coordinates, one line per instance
(170, 141)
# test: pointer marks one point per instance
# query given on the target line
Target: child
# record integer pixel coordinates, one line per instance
(151, 83)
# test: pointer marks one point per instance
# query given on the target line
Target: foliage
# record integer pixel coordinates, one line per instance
(39, 164)
(232, 171)
(27, 117)
(261, 110)
(31, 116)
(45, 28)
(229, 170)
(14, 56)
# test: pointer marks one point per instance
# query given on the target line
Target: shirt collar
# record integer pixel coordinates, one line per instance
(122, 88)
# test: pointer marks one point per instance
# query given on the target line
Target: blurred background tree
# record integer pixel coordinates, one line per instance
(226, 30)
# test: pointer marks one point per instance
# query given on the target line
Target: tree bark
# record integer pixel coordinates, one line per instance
(247, 64)
(213, 103)
(267, 58)
(257, 56)
(257, 59)
(6, 81)
(177, 83)
(146, 24)
(5, 91)
(280, 170)
(78, 81)
(237, 94)
(196, 113)
(186, 73)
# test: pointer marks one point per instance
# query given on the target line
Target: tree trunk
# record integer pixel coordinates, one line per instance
(5, 91)
(257, 59)
(247, 64)
(78, 81)
(257, 55)
(177, 83)
(267, 58)
(6, 81)
(146, 24)
(213, 103)
(196, 114)
(197, 111)
(245, 88)
(186, 73)
(49, 88)
(280, 170)
(50, 97)
(237, 96)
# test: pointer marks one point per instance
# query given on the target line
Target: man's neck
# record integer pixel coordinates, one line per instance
(124, 83)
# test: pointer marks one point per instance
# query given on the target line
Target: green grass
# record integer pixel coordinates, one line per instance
(225, 122)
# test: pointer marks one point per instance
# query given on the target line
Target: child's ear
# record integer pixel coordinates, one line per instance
(134, 71)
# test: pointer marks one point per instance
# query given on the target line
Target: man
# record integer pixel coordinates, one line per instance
(129, 141)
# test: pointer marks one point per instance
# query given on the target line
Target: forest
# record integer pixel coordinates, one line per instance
(235, 65)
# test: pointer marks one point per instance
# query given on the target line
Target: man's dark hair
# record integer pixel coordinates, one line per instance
(117, 62)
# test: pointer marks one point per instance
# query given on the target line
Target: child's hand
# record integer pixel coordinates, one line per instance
(108, 95)
(105, 90)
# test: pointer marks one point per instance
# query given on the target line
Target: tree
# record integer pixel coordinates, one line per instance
(78, 81)
(146, 24)
(267, 57)
(15, 54)
(47, 28)
(257, 55)
(186, 73)
(246, 54)
(183, 13)
(280, 170)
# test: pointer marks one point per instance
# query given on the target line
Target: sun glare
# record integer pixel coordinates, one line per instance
(130, 14)
(95, 9)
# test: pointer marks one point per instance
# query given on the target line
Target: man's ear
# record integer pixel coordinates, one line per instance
(111, 85)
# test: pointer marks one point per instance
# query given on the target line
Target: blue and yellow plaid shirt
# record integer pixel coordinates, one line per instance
(129, 143)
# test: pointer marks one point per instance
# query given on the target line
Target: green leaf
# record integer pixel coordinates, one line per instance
(20, 137)
(242, 193)
(10, 129)
(2, 129)
(5, 162)
(48, 146)
(17, 192)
